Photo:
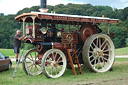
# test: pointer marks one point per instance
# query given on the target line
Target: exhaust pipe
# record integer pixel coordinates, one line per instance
(43, 6)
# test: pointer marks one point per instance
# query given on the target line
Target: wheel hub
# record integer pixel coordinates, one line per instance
(55, 64)
(97, 52)
(100, 53)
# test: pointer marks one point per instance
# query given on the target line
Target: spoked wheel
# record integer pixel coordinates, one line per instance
(98, 53)
(31, 63)
(54, 63)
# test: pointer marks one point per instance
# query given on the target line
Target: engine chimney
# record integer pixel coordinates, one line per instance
(43, 6)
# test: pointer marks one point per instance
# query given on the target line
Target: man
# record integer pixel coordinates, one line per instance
(17, 43)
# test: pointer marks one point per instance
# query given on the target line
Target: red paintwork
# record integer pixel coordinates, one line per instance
(86, 31)
(64, 18)
(69, 38)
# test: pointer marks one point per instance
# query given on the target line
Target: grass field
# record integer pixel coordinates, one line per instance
(122, 51)
(10, 52)
(119, 76)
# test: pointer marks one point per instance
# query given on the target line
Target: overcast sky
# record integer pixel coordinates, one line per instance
(13, 6)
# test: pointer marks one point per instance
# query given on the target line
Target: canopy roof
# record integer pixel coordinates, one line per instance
(62, 18)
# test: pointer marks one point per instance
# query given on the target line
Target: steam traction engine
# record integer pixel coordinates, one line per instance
(64, 40)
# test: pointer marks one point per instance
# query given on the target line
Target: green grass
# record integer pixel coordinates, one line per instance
(117, 76)
(10, 52)
(122, 51)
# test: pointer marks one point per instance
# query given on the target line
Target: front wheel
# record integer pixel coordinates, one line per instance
(54, 63)
(31, 64)
(98, 53)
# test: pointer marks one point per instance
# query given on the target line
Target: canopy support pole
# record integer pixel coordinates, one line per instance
(108, 29)
(24, 31)
(33, 17)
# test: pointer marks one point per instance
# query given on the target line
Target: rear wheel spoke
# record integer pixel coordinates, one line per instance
(94, 45)
(106, 54)
(91, 47)
(100, 63)
(92, 60)
(91, 56)
(104, 46)
(103, 43)
(97, 42)
(105, 58)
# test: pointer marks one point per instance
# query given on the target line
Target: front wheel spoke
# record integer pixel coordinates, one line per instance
(35, 56)
(37, 68)
(50, 59)
(30, 65)
(57, 69)
(39, 65)
(52, 56)
(30, 59)
(55, 55)
(58, 59)
(47, 64)
(31, 56)
(51, 70)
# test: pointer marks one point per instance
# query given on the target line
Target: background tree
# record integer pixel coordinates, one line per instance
(8, 26)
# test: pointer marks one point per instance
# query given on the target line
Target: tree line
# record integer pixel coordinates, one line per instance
(8, 26)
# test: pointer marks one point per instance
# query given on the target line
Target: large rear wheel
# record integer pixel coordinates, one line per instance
(98, 53)
(54, 63)
(31, 64)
